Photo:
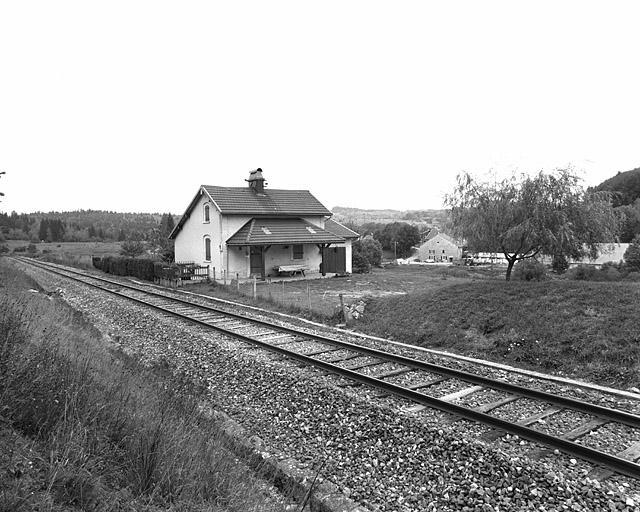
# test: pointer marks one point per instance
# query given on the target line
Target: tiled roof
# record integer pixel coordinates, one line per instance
(275, 231)
(245, 201)
(338, 229)
(434, 233)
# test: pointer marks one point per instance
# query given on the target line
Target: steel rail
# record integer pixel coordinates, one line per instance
(617, 464)
(615, 415)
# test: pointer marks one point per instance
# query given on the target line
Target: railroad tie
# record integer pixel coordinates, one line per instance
(496, 405)
(631, 453)
(451, 397)
(323, 351)
(530, 420)
(392, 373)
(584, 429)
(413, 387)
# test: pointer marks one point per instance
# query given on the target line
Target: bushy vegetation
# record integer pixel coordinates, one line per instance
(560, 263)
(398, 237)
(141, 268)
(366, 253)
(530, 270)
(82, 429)
(609, 271)
(359, 262)
(632, 255)
(625, 189)
(132, 248)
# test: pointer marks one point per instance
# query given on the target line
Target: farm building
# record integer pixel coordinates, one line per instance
(438, 247)
(613, 252)
(255, 231)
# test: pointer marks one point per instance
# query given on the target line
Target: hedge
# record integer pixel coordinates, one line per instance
(136, 267)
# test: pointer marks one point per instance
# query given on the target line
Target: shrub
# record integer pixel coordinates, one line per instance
(22, 248)
(608, 272)
(132, 248)
(359, 262)
(366, 253)
(581, 273)
(560, 264)
(632, 255)
(135, 267)
(372, 250)
(4, 248)
(141, 268)
(530, 270)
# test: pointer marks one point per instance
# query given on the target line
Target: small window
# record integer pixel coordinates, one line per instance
(206, 213)
(297, 252)
(442, 251)
(207, 249)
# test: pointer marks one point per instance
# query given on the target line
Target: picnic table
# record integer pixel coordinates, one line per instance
(291, 269)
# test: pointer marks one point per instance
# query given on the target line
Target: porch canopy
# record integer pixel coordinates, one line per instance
(279, 231)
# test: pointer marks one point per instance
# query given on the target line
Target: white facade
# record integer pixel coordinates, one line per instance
(606, 253)
(439, 248)
(196, 232)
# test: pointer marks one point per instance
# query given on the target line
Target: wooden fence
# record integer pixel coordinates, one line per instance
(182, 273)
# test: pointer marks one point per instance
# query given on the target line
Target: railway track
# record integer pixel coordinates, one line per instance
(396, 375)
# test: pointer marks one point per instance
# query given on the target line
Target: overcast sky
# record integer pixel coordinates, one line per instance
(130, 106)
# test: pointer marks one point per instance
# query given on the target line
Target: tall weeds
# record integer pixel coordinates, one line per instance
(111, 435)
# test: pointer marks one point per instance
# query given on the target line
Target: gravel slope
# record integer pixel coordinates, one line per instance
(381, 457)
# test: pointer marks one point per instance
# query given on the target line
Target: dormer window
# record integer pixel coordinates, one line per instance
(206, 213)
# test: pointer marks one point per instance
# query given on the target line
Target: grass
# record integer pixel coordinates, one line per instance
(320, 298)
(81, 427)
(77, 254)
(585, 329)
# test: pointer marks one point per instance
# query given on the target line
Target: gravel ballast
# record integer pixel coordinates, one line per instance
(378, 456)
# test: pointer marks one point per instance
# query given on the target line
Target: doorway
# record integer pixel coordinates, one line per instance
(256, 261)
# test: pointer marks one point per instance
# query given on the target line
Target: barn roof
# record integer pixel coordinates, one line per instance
(434, 232)
(245, 201)
(338, 229)
(279, 231)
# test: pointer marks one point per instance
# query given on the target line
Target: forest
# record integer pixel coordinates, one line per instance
(85, 226)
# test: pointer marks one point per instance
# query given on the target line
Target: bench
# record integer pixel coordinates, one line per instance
(291, 269)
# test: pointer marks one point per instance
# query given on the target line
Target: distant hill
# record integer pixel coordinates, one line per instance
(358, 216)
(625, 185)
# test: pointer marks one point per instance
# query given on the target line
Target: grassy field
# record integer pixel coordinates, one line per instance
(322, 296)
(84, 428)
(74, 253)
(585, 329)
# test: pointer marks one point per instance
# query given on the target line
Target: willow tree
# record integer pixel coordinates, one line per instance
(524, 216)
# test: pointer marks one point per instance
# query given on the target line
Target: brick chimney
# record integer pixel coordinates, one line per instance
(256, 181)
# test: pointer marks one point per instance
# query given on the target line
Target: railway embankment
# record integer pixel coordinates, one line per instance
(378, 455)
(587, 330)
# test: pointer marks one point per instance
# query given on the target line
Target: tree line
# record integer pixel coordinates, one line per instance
(85, 226)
